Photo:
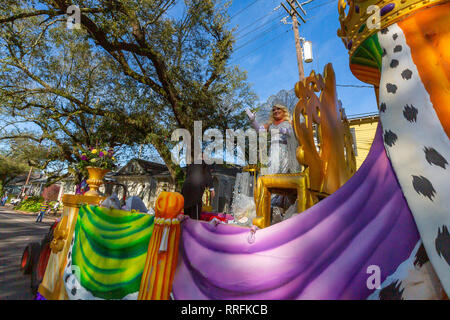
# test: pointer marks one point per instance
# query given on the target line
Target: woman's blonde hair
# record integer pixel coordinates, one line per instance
(287, 116)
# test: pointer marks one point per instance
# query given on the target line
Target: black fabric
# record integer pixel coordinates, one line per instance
(194, 211)
(198, 178)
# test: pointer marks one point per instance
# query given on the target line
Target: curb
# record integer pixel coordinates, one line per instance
(28, 213)
(11, 209)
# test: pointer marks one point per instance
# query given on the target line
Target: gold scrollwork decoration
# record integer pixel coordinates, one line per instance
(59, 235)
(319, 128)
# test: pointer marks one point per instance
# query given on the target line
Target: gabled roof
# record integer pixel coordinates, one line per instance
(141, 167)
(34, 177)
(215, 169)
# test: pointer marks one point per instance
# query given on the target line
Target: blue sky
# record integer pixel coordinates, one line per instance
(268, 54)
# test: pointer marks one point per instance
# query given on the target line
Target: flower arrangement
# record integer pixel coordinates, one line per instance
(99, 157)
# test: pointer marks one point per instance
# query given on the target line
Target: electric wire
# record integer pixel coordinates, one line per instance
(264, 33)
(259, 19)
(259, 27)
(242, 10)
(262, 45)
(278, 35)
(322, 4)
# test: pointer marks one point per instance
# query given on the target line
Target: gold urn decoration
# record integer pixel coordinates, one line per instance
(95, 180)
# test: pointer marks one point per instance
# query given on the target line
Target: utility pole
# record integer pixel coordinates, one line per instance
(28, 179)
(293, 13)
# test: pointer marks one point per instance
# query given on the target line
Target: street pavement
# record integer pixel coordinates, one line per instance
(16, 231)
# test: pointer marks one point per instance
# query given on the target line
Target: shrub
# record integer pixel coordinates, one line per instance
(32, 204)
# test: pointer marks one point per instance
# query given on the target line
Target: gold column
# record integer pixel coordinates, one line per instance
(52, 286)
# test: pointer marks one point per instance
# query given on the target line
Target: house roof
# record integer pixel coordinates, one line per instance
(143, 167)
(363, 118)
(34, 177)
(215, 169)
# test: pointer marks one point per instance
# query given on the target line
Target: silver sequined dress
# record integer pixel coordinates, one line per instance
(282, 151)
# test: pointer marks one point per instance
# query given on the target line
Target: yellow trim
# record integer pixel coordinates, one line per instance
(70, 200)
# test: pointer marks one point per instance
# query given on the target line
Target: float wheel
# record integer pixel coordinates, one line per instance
(39, 268)
(30, 252)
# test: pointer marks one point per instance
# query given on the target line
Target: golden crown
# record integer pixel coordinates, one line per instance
(356, 17)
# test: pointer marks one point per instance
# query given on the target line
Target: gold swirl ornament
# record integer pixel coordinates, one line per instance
(59, 236)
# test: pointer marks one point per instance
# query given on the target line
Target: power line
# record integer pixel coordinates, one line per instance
(259, 27)
(322, 4)
(271, 29)
(262, 34)
(259, 19)
(242, 10)
(262, 45)
(258, 36)
(313, 17)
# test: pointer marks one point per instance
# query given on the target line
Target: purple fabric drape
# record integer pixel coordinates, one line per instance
(323, 253)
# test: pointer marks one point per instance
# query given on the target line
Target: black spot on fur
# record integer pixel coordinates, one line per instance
(73, 291)
(398, 48)
(392, 291)
(423, 186)
(383, 107)
(442, 243)
(391, 88)
(421, 257)
(434, 157)
(384, 52)
(395, 36)
(384, 30)
(410, 113)
(406, 74)
(70, 253)
(66, 278)
(390, 138)
(394, 63)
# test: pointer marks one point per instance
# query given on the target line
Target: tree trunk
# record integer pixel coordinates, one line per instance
(165, 154)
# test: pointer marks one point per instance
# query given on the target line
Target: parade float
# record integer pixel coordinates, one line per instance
(391, 216)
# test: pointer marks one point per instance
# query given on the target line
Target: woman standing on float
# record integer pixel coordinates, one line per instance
(283, 138)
